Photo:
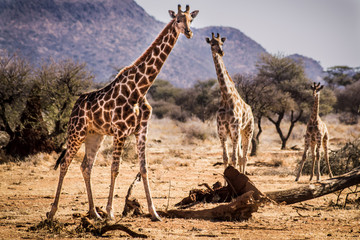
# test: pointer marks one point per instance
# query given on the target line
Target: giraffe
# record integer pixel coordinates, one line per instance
(119, 110)
(234, 116)
(316, 135)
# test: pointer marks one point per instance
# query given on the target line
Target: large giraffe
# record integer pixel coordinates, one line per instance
(234, 117)
(316, 135)
(119, 110)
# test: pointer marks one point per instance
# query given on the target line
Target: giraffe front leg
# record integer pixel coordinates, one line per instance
(92, 145)
(118, 146)
(236, 140)
(313, 160)
(246, 136)
(240, 157)
(302, 160)
(318, 175)
(223, 140)
(140, 142)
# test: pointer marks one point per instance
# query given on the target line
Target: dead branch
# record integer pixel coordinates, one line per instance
(318, 189)
(100, 230)
(132, 205)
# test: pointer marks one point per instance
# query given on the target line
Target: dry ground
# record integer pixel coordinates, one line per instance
(179, 161)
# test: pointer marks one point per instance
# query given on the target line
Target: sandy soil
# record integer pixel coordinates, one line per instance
(27, 190)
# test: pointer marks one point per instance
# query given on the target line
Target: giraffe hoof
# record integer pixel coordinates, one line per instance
(110, 216)
(94, 215)
(156, 219)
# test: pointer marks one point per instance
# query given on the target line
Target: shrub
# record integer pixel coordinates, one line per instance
(129, 153)
(341, 161)
(195, 129)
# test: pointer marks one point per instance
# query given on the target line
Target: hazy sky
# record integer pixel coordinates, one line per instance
(325, 30)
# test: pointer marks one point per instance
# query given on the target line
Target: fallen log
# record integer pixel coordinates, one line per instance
(237, 185)
(245, 198)
(317, 189)
(240, 209)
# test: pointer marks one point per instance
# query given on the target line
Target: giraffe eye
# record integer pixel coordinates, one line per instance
(178, 21)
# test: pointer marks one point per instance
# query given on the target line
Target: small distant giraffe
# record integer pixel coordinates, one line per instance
(316, 135)
(119, 110)
(234, 117)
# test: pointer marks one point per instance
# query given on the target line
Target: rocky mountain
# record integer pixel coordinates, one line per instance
(111, 34)
(313, 69)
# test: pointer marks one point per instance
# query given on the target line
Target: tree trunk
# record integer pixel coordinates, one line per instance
(256, 138)
(254, 147)
(259, 129)
(6, 127)
(278, 128)
(314, 190)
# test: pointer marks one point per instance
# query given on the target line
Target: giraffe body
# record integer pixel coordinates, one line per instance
(234, 116)
(119, 110)
(316, 136)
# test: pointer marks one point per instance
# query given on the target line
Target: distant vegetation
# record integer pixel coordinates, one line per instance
(36, 102)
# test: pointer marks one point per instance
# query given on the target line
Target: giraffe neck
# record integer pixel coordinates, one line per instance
(226, 84)
(315, 111)
(144, 70)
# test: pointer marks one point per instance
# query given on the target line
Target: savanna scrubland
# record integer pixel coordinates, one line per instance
(180, 156)
(182, 151)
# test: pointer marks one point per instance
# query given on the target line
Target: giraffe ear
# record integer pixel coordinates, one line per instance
(223, 39)
(207, 40)
(172, 14)
(194, 13)
(321, 87)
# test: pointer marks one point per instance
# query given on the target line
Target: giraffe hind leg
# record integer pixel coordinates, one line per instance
(92, 145)
(73, 147)
(326, 154)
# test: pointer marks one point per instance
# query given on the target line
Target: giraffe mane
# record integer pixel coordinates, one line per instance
(148, 50)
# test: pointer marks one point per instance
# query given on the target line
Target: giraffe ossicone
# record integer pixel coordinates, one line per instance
(316, 136)
(234, 117)
(119, 110)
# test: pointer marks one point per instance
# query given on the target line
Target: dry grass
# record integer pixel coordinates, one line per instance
(179, 163)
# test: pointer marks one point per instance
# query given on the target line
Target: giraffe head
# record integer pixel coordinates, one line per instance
(216, 44)
(316, 88)
(182, 20)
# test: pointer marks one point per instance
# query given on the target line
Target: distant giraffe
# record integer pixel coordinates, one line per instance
(316, 135)
(119, 110)
(234, 117)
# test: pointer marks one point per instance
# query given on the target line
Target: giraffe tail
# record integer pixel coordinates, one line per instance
(60, 159)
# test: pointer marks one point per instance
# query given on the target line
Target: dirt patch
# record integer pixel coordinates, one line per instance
(27, 190)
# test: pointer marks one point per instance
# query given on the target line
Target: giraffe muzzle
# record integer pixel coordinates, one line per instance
(188, 33)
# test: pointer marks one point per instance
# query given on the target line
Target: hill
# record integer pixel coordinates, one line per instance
(111, 34)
